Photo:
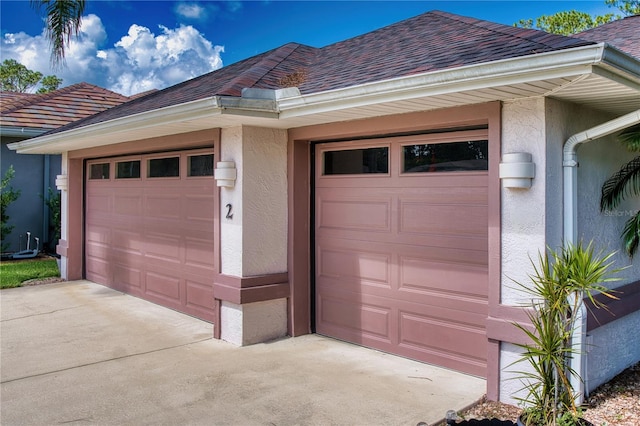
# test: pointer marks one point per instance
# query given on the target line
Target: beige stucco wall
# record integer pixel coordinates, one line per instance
(254, 241)
(533, 218)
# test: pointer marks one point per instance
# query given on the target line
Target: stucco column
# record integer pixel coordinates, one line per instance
(253, 236)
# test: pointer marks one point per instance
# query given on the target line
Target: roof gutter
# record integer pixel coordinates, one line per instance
(570, 223)
(557, 64)
(58, 142)
(21, 132)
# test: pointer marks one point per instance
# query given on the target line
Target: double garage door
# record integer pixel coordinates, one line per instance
(401, 255)
(149, 228)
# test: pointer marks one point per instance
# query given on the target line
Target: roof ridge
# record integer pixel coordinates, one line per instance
(513, 31)
(270, 60)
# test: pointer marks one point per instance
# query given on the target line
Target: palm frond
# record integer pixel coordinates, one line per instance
(63, 19)
(631, 235)
(631, 138)
(624, 182)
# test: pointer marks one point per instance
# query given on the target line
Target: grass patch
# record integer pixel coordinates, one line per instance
(14, 272)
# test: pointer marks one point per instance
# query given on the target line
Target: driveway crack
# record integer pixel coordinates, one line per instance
(89, 364)
(42, 313)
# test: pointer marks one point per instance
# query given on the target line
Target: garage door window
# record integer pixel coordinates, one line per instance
(164, 167)
(128, 169)
(446, 157)
(99, 171)
(356, 161)
(201, 165)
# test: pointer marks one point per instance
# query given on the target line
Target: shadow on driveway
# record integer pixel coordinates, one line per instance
(80, 353)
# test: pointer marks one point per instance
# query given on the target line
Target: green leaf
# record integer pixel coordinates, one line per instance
(624, 182)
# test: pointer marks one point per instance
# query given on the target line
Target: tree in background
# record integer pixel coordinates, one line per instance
(573, 21)
(626, 182)
(15, 77)
(63, 19)
(7, 196)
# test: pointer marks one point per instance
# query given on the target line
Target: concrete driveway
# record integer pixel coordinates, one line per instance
(80, 353)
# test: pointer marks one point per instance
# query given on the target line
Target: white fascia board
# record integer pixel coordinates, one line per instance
(77, 138)
(80, 137)
(564, 63)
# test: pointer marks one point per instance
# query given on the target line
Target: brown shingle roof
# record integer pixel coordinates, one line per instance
(623, 34)
(429, 42)
(58, 108)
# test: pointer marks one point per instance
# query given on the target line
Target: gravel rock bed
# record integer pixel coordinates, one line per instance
(615, 403)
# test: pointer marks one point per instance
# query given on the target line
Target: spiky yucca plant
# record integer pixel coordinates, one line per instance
(626, 182)
(559, 282)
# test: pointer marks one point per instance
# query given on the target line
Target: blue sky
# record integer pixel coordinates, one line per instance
(132, 46)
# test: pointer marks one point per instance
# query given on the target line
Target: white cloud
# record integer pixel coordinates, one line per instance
(139, 61)
(191, 11)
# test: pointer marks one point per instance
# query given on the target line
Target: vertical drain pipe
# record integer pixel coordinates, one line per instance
(570, 223)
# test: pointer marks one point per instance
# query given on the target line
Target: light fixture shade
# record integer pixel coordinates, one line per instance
(62, 182)
(225, 174)
(517, 170)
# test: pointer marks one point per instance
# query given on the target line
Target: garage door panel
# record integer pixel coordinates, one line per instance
(164, 207)
(163, 285)
(355, 214)
(162, 247)
(127, 205)
(423, 275)
(100, 202)
(127, 242)
(199, 295)
(198, 255)
(198, 207)
(443, 336)
(128, 276)
(355, 316)
(438, 218)
(97, 269)
(366, 267)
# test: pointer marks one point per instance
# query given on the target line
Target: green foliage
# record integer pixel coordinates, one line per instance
(15, 77)
(49, 84)
(53, 202)
(7, 196)
(14, 273)
(625, 183)
(573, 21)
(63, 19)
(627, 7)
(559, 282)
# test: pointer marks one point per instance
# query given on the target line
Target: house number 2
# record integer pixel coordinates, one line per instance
(229, 209)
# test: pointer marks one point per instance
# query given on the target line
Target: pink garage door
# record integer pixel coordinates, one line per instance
(401, 231)
(149, 228)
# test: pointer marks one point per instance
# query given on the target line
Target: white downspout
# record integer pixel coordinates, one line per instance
(570, 225)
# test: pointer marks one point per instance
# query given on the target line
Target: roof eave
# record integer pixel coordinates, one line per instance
(563, 63)
(122, 129)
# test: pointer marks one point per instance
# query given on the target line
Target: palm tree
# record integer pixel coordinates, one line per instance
(623, 183)
(63, 19)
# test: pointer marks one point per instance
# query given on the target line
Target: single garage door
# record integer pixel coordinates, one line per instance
(149, 228)
(401, 229)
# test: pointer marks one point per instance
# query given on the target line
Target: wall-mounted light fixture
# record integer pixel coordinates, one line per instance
(62, 182)
(225, 174)
(517, 170)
